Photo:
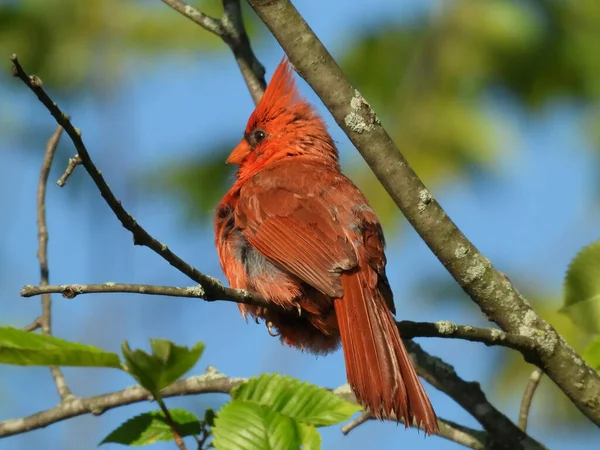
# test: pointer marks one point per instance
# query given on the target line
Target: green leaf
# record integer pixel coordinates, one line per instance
(582, 289)
(310, 437)
(243, 425)
(167, 363)
(299, 400)
(592, 353)
(31, 349)
(152, 426)
(209, 417)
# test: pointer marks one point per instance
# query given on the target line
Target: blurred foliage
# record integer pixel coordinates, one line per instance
(200, 183)
(66, 41)
(427, 80)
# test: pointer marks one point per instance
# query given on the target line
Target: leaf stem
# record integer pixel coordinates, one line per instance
(171, 423)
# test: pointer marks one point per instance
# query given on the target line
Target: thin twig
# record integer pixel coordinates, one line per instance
(452, 431)
(212, 286)
(471, 397)
(237, 39)
(408, 329)
(73, 162)
(211, 382)
(230, 28)
(487, 336)
(171, 423)
(532, 385)
(364, 417)
(36, 324)
(204, 435)
(73, 290)
(42, 253)
(205, 21)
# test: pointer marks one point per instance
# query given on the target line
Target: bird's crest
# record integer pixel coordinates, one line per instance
(281, 93)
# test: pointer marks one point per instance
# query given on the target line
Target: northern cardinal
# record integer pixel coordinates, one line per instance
(296, 231)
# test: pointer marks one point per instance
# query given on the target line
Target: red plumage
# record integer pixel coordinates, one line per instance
(299, 233)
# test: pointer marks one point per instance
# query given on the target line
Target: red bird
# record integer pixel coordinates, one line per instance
(296, 231)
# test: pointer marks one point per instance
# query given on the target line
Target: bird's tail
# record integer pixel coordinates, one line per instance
(377, 364)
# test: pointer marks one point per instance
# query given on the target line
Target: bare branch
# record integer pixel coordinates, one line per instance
(73, 290)
(365, 416)
(42, 253)
(36, 324)
(73, 162)
(469, 395)
(211, 286)
(534, 381)
(490, 289)
(408, 329)
(460, 434)
(230, 28)
(208, 23)
(487, 336)
(211, 382)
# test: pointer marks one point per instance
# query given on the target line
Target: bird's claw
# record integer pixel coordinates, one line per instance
(270, 329)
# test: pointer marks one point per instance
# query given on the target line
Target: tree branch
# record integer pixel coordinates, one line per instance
(532, 385)
(212, 287)
(73, 290)
(487, 336)
(211, 382)
(230, 28)
(45, 320)
(505, 434)
(408, 329)
(449, 430)
(37, 323)
(489, 288)
(73, 162)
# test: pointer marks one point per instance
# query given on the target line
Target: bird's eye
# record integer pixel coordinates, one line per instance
(257, 136)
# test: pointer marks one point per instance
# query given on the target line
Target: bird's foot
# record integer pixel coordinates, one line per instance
(270, 329)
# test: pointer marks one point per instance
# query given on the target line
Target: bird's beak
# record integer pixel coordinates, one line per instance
(239, 153)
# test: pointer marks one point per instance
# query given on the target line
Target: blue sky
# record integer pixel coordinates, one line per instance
(530, 219)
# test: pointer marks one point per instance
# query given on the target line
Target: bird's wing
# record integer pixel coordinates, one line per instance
(297, 231)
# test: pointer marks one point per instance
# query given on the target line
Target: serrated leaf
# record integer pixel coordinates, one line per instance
(243, 425)
(152, 426)
(592, 353)
(167, 363)
(31, 349)
(299, 400)
(581, 297)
